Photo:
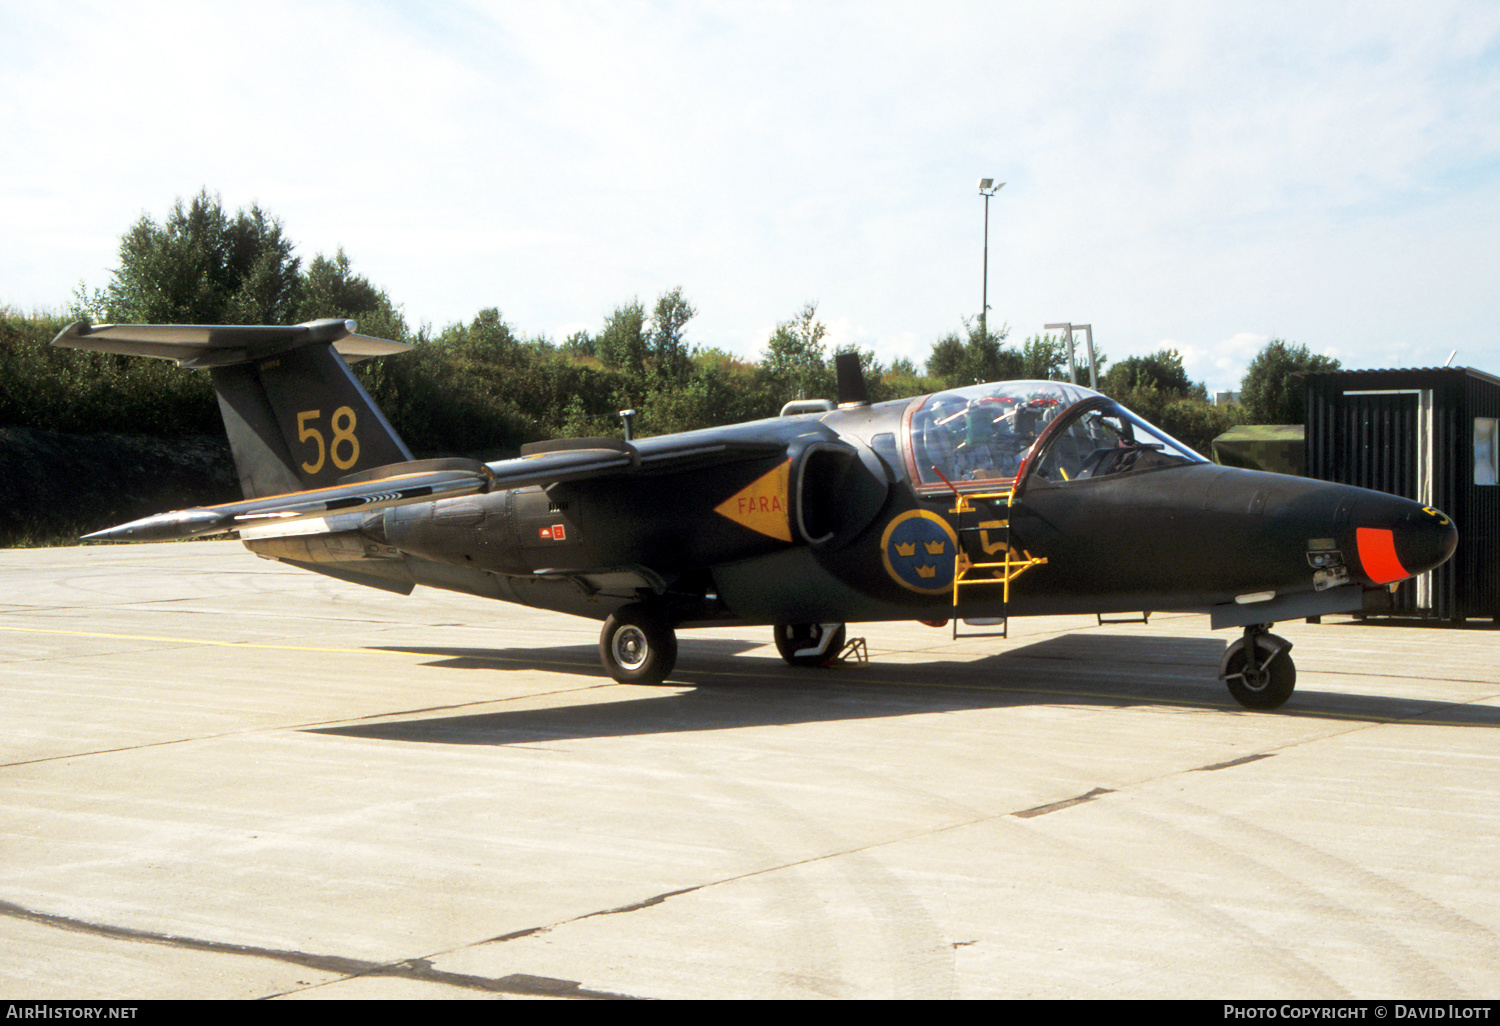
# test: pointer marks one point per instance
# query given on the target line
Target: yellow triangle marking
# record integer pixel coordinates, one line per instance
(762, 504)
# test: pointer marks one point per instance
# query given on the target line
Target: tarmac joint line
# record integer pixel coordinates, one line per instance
(1042, 810)
(520, 984)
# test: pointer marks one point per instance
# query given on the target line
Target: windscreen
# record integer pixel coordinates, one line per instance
(1101, 438)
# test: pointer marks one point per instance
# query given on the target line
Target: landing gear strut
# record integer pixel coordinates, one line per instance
(638, 645)
(1258, 668)
(809, 644)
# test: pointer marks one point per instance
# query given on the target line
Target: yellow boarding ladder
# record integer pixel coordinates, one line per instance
(992, 538)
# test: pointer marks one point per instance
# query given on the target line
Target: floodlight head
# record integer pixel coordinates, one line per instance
(985, 183)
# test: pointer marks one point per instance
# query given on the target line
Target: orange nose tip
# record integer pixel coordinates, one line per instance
(1377, 554)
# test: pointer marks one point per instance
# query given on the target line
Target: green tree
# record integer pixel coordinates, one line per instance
(1187, 416)
(489, 341)
(947, 360)
(664, 339)
(971, 358)
(1162, 369)
(901, 379)
(329, 288)
(581, 345)
(794, 366)
(701, 399)
(1158, 388)
(1044, 358)
(902, 367)
(1272, 391)
(1195, 421)
(621, 343)
(201, 266)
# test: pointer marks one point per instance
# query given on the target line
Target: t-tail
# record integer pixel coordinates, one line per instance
(296, 416)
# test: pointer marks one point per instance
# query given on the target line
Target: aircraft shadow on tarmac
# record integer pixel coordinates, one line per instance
(730, 691)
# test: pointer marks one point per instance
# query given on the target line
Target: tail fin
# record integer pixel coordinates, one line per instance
(296, 416)
(301, 420)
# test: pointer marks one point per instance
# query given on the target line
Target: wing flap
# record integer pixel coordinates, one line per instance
(320, 502)
(677, 455)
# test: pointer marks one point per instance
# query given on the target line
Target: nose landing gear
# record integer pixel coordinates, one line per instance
(1258, 668)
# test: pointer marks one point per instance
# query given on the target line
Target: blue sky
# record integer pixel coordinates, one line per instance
(1200, 176)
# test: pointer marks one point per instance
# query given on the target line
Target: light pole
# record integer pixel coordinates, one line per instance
(987, 188)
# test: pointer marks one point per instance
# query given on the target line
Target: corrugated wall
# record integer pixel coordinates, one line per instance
(1372, 441)
(1478, 556)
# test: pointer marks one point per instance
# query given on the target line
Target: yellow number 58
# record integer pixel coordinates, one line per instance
(344, 447)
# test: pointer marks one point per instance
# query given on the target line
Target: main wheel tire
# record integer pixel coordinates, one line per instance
(792, 638)
(1271, 685)
(638, 645)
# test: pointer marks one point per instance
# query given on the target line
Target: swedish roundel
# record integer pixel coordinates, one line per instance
(918, 549)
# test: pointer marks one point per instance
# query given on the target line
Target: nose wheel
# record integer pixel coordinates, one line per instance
(1258, 669)
(638, 645)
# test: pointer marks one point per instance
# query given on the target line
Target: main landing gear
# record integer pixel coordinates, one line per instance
(1258, 668)
(809, 644)
(638, 645)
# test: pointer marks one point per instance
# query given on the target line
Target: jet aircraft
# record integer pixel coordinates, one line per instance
(1007, 499)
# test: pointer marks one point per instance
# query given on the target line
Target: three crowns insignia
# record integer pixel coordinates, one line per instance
(934, 548)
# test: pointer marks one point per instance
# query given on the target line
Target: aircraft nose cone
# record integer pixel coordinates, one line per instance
(1404, 542)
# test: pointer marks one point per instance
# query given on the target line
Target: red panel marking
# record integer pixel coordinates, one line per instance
(544, 533)
(1377, 553)
(559, 532)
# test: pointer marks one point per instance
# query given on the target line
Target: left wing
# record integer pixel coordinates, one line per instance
(401, 484)
(419, 484)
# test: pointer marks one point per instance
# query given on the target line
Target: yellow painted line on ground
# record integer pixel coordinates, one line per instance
(270, 647)
(179, 641)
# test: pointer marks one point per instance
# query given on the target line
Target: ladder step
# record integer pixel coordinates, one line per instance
(1143, 618)
(984, 621)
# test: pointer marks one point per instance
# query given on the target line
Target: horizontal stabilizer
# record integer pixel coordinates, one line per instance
(222, 345)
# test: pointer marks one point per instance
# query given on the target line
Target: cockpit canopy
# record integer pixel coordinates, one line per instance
(979, 437)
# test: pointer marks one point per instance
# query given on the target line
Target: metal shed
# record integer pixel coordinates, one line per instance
(1428, 434)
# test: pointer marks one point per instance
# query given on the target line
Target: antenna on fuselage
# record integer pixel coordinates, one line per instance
(851, 381)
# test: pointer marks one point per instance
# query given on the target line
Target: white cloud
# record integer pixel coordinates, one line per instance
(1205, 174)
